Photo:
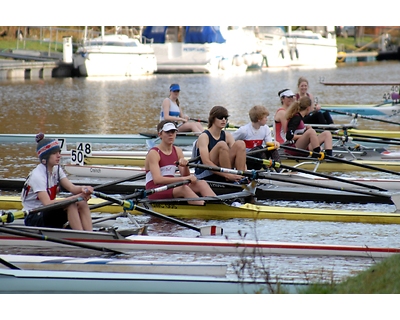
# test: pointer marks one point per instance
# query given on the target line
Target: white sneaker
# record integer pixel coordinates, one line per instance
(236, 204)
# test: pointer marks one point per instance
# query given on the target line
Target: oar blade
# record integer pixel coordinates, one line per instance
(211, 231)
(150, 143)
(395, 197)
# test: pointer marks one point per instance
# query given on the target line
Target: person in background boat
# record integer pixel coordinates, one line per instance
(42, 186)
(280, 122)
(161, 166)
(303, 136)
(171, 111)
(216, 147)
(316, 116)
(256, 135)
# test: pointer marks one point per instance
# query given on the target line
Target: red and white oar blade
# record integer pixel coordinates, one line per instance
(211, 231)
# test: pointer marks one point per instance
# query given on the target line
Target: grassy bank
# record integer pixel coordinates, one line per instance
(382, 278)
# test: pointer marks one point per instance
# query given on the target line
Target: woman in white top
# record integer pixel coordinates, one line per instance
(171, 111)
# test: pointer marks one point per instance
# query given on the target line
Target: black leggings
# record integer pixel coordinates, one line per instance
(319, 117)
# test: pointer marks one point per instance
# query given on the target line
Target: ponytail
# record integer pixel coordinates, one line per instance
(298, 106)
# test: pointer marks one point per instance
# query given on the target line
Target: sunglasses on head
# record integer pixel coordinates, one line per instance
(223, 117)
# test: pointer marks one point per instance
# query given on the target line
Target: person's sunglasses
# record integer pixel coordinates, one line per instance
(223, 117)
(176, 90)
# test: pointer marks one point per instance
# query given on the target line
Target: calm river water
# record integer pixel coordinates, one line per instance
(132, 105)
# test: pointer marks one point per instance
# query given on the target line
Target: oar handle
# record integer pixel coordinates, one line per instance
(252, 174)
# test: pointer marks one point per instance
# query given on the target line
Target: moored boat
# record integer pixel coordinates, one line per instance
(311, 49)
(114, 55)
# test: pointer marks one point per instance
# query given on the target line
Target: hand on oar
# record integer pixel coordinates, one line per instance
(321, 156)
(8, 217)
(204, 231)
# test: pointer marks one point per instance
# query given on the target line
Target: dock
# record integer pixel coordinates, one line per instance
(356, 56)
(20, 69)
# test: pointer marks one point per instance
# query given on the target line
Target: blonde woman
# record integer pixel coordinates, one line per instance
(316, 116)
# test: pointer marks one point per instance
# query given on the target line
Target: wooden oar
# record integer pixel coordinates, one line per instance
(321, 156)
(56, 240)
(9, 217)
(356, 115)
(130, 205)
(317, 174)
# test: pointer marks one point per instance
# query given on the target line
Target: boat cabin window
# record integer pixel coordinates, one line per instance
(111, 43)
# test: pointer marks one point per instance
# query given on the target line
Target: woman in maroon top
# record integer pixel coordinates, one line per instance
(304, 136)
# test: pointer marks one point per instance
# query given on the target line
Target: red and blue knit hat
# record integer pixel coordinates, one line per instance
(46, 147)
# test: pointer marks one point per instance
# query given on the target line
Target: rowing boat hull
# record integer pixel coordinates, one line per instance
(56, 263)
(128, 139)
(266, 189)
(216, 245)
(308, 164)
(375, 133)
(366, 110)
(103, 171)
(79, 282)
(223, 211)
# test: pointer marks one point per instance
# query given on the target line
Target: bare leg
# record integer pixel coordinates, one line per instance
(85, 215)
(79, 216)
(237, 155)
(186, 192)
(326, 139)
(191, 127)
(202, 187)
